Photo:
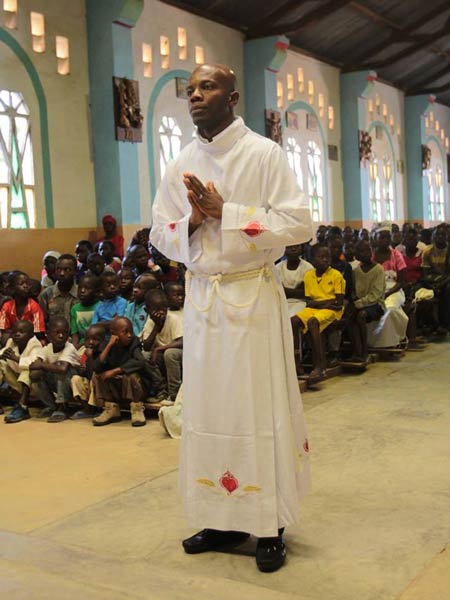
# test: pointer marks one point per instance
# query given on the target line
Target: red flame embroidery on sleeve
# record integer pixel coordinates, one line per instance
(229, 482)
(172, 226)
(253, 229)
(306, 446)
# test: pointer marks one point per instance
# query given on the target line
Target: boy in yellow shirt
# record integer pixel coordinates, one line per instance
(324, 292)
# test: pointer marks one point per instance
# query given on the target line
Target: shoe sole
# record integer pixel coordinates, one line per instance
(113, 420)
(138, 424)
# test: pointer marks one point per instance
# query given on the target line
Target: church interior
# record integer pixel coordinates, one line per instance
(93, 107)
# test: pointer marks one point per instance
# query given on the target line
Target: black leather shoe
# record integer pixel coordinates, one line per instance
(212, 539)
(270, 554)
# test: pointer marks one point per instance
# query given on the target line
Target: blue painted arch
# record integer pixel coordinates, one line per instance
(159, 85)
(8, 39)
(300, 105)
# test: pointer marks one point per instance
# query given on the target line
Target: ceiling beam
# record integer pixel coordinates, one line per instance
(272, 17)
(374, 16)
(399, 34)
(417, 87)
(311, 18)
(206, 14)
(426, 42)
(436, 90)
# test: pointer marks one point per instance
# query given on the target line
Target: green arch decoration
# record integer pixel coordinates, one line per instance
(6, 38)
(394, 162)
(300, 105)
(162, 81)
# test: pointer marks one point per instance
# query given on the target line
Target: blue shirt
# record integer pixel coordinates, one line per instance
(106, 310)
(137, 315)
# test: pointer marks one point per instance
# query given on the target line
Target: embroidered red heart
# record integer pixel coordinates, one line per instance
(253, 229)
(229, 482)
(172, 226)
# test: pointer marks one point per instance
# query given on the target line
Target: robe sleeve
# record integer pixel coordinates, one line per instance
(170, 227)
(283, 220)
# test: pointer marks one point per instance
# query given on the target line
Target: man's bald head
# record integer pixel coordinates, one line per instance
(222, 72)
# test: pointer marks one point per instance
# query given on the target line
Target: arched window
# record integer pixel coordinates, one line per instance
(436, 193)
(17, 194)
(169, 142)
(294, 155)
(389, 212)
(381, 189)
(315, 181)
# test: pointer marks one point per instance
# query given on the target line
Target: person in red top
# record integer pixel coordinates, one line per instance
(412, 255)
(20, 307)
(110, 228)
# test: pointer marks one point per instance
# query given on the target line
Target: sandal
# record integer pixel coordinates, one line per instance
(57, 416)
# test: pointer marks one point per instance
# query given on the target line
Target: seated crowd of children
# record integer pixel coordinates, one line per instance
(103, 332)
(365, 290)
(96, 335)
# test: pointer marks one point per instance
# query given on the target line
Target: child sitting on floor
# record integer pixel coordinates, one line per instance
(82, 384)
(21, 306)
(21, 349)
(163, 342)
(368, 300)
(120, 375)
(112, 304)
(53, 372)
(292, 274)
(324, 292)
(126, 282)
(82, 313)
(136, 311)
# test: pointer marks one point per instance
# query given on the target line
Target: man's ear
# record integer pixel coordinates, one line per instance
(234, 98)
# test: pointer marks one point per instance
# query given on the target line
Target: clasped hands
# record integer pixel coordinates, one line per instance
(205, 200)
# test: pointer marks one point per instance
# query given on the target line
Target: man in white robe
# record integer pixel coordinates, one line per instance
(226, 208)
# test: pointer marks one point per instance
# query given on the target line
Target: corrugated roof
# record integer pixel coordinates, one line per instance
(406, 41)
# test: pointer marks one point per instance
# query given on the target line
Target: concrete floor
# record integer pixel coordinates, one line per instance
(93, 513)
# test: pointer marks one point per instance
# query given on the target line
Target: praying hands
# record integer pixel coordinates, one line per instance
(205, 200)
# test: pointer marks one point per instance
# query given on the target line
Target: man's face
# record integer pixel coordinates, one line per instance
(109, 227)
(65, 270)
(22, 286)
(210, 97)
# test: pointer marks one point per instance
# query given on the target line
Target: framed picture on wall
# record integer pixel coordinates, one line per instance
(273, 126)
(181, 84)
(291, 120)
(311, 122)
(333, 152)
(127, 111)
